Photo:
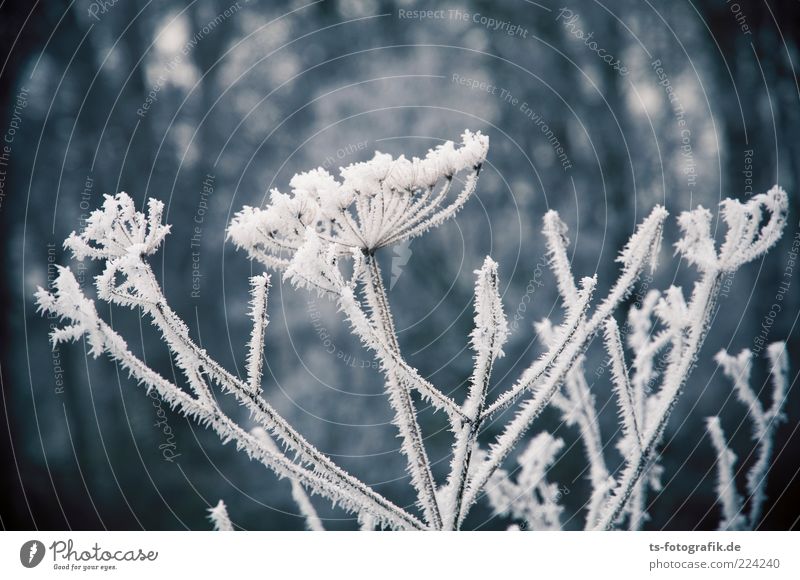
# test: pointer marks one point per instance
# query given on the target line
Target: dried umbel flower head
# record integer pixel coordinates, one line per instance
(377, 203)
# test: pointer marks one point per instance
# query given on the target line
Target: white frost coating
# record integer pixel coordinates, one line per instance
(491, 328)
(746, 240)
(329, 481)
(307, 510)
(623, 390)
(570, 332)
(259, 288)
(577, 406)
(377, 203)
(765, 421)
(729, 498)
(641, 250)
(323, 222)
(515, 429)
(555, 232)
(399, 392)
(135, 285)
(488, 337)
(531, 499)
(219, 517)
(646, 343)
(118, 229)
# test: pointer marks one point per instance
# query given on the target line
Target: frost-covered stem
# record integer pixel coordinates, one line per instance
(488, 338)
(622, 383)
(730, 499)
(645, 350)
(313, 523)
(408, 214)
(637, 501)
(555, 231)
(299, 495)
(577, 406)
(764, 421)
(219, 517)
(263, 411)
(400, 399)
(355, 496)
(642, 248)
(757, 478)
(588, 424)
(568, 335)
(529, 411)
(675, 377)
(176, 334)
(648, 237)
(516, 429)
(255, 358)
(390, 358)
(464, 445)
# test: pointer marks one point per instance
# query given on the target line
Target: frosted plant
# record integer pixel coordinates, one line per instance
(531, 499)
(737, 369)
(219, 517)
(378, 203)
(324, 237)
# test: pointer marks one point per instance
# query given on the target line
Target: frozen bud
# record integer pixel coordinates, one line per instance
(402, 174)
(242, 229)
(443, 160)
(297, 212)
(314, 184)
(425, 175)
(366, 178)
(118, 229)
(380, 165)
(474, 149)
(333, 203)
(671, 309)
(696, 245)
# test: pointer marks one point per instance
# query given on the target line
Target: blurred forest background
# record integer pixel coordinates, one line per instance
(207, 104)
